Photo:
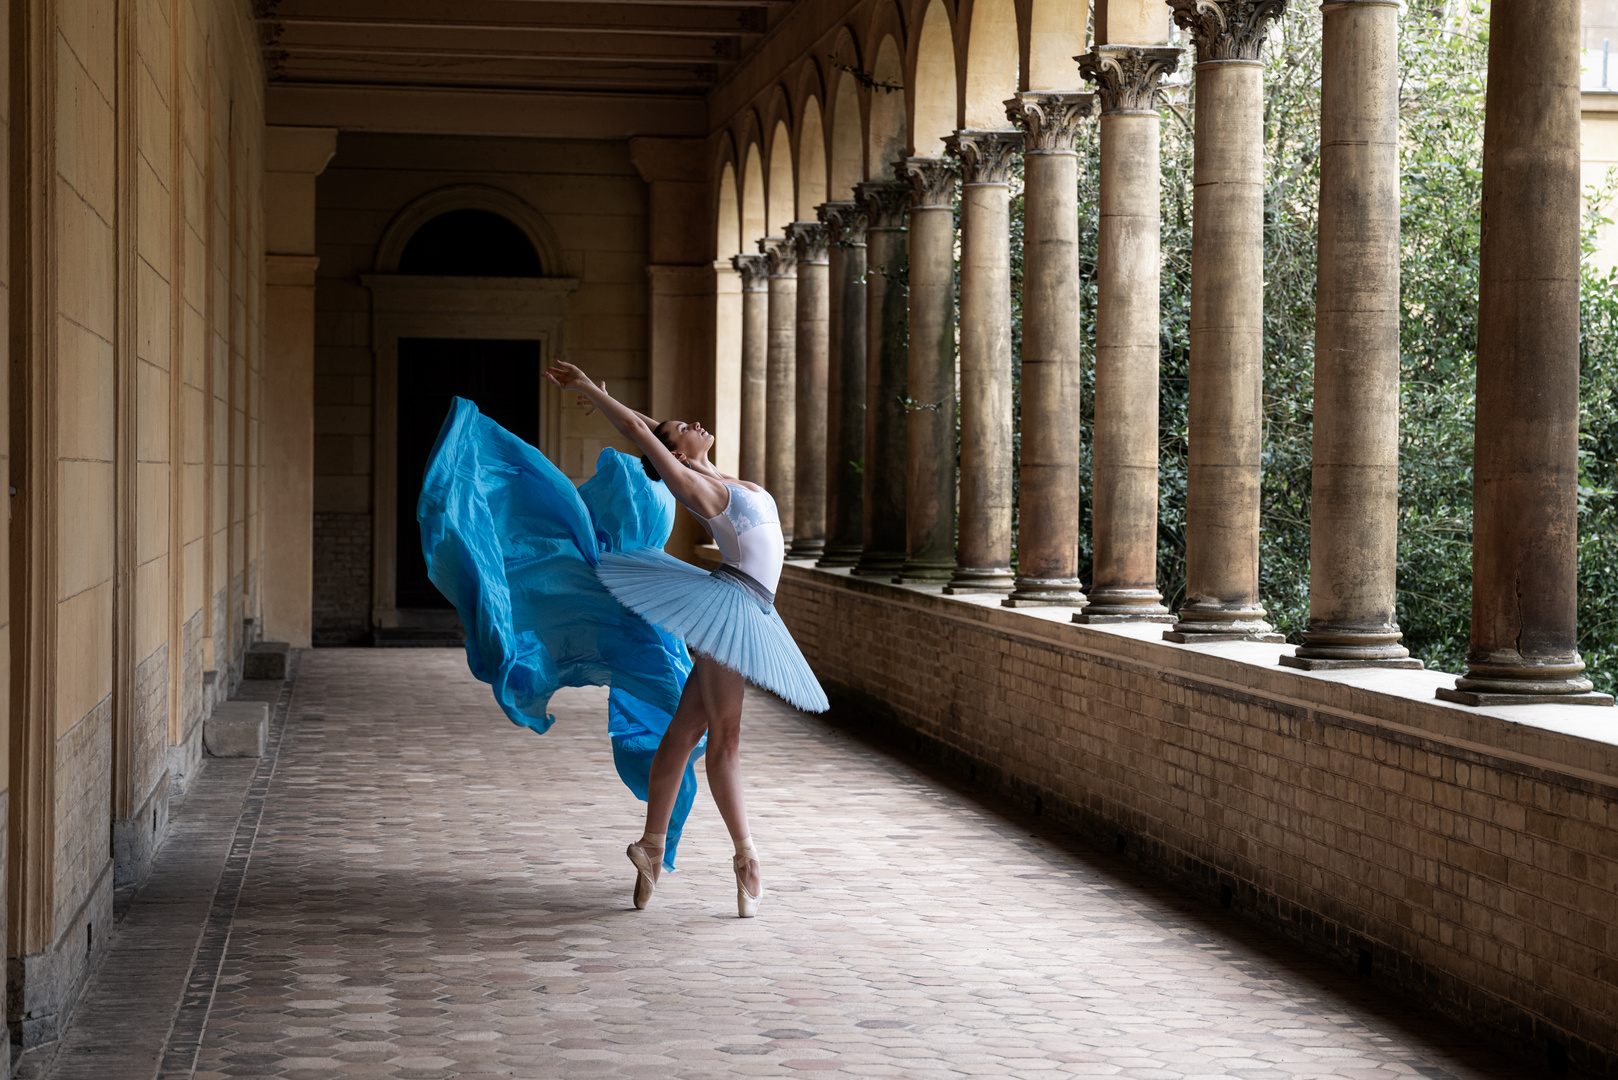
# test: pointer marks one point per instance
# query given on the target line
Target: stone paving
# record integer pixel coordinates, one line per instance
(432, 893)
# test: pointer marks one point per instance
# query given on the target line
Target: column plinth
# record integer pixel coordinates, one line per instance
(1224, 472)
(1525, 458)
(886, 377)
(845, 382)
(781, 380)
(1124, 453)
(1354, 496)
(983, 546)
(1048, 473)
(930, 410)
(755, 275)
(809, 461)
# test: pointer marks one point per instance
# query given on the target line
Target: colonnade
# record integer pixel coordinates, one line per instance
(874, 317)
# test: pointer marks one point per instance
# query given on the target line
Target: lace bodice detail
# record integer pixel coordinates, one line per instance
(748, 534)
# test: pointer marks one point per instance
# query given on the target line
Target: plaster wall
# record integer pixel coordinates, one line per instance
(1464, 855)
(596, 205)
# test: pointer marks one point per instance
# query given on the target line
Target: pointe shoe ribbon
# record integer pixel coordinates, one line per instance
(645, 874)
(746, 902)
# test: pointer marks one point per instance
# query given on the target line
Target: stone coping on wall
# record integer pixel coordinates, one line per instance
(1581, 740)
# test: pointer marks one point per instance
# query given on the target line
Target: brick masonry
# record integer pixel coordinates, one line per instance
(342, 586)
(1468, 855)
(135, 838)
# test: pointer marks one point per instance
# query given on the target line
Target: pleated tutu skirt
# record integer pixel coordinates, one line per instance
(715, 618)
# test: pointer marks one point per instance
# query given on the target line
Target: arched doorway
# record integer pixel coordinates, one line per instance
(462, 307)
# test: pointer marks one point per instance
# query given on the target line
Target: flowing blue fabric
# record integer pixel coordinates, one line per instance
(514, 546)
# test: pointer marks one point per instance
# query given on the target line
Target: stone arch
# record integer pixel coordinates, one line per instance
(755, 223)
(779, 205)
(529, 221)
(933, 92)
(728, 215)
(1056, 34)
(847, 165)
(992, 62)
(888, 128)
(811, 160)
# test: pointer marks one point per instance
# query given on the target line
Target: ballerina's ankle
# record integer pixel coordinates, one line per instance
(746, 850)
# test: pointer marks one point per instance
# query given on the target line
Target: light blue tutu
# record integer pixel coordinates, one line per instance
(715, 618)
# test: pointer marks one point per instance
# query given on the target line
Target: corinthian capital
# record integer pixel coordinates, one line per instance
(1049, 122)
(810, 240)
(986, 156)
(1126, 76)
(932, 180)
(755, 271)
(1227, 29)
(844, 221)
(779, 255)
(885, 203)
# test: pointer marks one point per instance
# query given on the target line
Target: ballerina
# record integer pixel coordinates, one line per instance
(727, 619)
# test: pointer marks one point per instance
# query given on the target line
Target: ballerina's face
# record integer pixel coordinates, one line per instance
(688, 441)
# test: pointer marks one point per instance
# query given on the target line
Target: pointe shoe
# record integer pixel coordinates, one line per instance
(645, 874)
(746, 902)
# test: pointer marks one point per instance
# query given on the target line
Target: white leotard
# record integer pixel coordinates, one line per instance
(748, 533)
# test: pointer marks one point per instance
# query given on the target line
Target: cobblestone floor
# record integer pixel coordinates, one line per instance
(434, 893)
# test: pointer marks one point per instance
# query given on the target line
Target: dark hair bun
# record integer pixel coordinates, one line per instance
(651, 470)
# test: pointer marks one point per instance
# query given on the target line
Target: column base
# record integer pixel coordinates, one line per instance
(1188, 637)
(922, 573)
(973, 580)
(879, 563)
(838, 555)
(1084, 617)
(1046, 592)
(1472, 697)
(1211, 621)
(806, 548)
(1334, 663)
(1115, 605)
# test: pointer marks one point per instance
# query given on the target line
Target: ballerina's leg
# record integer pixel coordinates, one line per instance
(722, 691)
(668, 764)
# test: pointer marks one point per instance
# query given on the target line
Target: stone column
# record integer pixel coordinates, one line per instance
(780, 381)
(294, 156)
(809, 462)
(1227, 323)
(930, 412)
(887, 378)
(1048, 539)
(1124, 457)
(754, 271)
(1354, 503)
(1525, 458)
(983, 547)
(845, 382)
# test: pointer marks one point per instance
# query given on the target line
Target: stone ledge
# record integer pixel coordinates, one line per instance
(266, 660)
(237, 729)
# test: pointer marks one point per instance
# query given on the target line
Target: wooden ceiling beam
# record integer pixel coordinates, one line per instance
(503, 15)
(560, 73)
(383, 40)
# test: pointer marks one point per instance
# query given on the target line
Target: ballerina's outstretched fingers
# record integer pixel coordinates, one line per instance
(727, 619)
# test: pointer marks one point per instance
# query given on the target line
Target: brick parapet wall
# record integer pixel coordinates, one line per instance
(1468, 854)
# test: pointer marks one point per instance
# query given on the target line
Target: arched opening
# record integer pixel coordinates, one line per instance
(1055, 36)
(847, 157)
(887, 112)
(991, 64)
(470, 243)
(780, 206)
(754, 224)
(935, 91)
(811, 161)
(727, 324)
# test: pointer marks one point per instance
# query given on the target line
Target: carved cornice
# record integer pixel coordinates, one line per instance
(986, 157)
(1227, 29)
(932, 180)
(755, 271)
(1049, 122)
(1126, 76)
(885, 203)
(810, 240)
(779, 255)
(844, 221)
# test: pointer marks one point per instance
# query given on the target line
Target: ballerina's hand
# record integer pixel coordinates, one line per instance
(586, 404)
(568, 376)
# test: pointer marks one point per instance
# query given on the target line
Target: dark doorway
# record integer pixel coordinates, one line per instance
(500, 377)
